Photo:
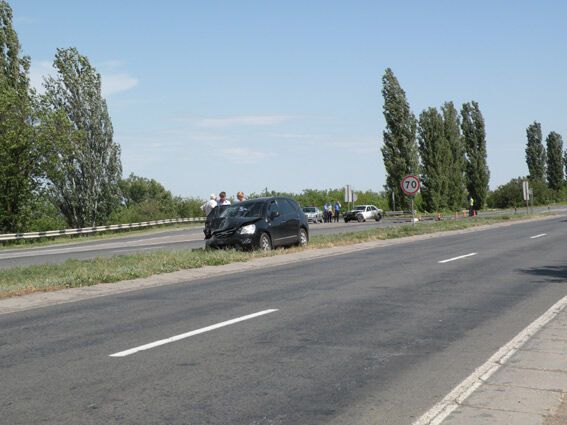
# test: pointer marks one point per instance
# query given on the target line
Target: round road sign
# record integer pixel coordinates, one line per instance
(410, 185)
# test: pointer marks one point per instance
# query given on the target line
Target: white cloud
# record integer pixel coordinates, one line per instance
(24, 20)
(358, 147)
(243, 155)
(116, 83)
(243, 120)
(112, 82)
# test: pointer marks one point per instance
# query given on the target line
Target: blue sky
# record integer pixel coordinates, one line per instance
(235, 95)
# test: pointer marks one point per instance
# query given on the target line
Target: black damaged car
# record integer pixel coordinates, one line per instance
(263, 223)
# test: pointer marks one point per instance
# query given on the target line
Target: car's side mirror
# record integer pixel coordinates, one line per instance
(274, 214)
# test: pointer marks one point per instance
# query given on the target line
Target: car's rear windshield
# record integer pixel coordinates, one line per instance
(308, 209)
(244, 209)
(359, 208)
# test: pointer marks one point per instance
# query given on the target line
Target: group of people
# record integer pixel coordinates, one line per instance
(331, 211)
(213, 201)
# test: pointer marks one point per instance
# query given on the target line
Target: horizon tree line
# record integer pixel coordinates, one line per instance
(446, 149)
(545, 163)
(56, 148)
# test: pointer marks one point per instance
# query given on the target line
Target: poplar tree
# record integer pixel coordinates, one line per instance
(399, 151)
(18, 170)
(456, 170)
(435, 160)
(554, 160)
(474, 136)
(84, 160)
(535, 152)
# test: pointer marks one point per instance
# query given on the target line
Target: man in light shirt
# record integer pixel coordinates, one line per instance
(208, 206)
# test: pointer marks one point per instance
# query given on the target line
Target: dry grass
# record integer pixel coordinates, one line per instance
(77, 273)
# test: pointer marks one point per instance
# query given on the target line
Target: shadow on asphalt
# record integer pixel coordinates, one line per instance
(549, 273)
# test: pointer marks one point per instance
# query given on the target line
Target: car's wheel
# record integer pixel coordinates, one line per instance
(379, 217)
(302, 237)
(265, 243)
(360, 218)
(346, 220)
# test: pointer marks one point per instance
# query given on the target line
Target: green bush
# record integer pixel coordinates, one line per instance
(510, 195)
(45, 216)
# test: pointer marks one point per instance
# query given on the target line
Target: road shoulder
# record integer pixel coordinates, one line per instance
(44, 299)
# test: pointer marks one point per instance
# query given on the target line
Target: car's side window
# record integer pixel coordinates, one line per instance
(285, 207)
(272, 208)
(288, 206)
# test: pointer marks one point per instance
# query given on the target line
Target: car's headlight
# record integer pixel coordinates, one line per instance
(248, 230)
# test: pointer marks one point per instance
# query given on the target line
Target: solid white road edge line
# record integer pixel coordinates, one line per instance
(457, 258)
(438, 413)
(188, 334)
(538, 236)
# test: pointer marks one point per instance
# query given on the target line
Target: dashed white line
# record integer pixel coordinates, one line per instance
(438, 413)
(538, 236)
(188, 334)
(457, 258)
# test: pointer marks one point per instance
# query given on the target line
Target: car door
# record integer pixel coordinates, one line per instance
(293, 220)
(289, 224)
(275, 223)
(374, 212)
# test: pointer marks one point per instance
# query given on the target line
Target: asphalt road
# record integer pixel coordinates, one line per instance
(375, 337)
(190, 238)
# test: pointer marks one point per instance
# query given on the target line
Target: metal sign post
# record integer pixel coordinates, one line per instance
(410, 186)
(350, 196)
(526, 193)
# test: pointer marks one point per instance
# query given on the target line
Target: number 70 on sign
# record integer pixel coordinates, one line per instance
(410, 185)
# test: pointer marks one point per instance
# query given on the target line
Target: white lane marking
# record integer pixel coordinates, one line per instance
(538, 236)
(188, 334)
(457, 258)
(438, 413)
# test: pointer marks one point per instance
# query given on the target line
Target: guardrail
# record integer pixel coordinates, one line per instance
(87, 230)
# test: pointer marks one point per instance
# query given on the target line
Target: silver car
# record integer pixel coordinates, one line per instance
(362, 213)
(313, 214)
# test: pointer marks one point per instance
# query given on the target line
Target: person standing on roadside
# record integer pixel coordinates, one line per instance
(337, 208)
(240, 197)
(222, 199)
(326, 212)
(330, 212)
(208, 206)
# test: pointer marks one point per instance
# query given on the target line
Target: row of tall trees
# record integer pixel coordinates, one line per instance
(55, 147)
(546, 163)
(446, 149)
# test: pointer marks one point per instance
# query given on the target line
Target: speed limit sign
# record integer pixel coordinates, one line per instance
(410, 185)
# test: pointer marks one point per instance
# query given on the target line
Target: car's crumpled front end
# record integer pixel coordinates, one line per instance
(232, 232)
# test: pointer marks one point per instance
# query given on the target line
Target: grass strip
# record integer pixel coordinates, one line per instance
(77, 273)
